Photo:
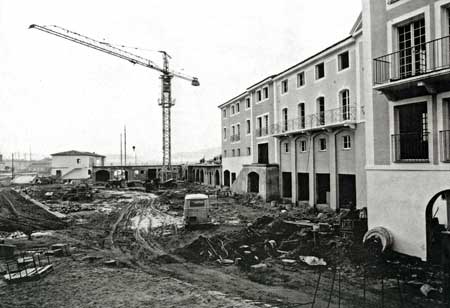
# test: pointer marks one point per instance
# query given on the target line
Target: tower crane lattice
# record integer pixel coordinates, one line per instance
(165, 101)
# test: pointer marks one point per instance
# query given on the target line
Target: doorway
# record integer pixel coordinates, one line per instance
(263, 153)
(347, 191)
(233, 177)
(303, 186)
(323, 188)
(253, 182)
(226, 178)
(217, 178)
(437, 217)
(151, 174)
(287, 184)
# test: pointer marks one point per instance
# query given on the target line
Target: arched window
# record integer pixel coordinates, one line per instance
(344, 98)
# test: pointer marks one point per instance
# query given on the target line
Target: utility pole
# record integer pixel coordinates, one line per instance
(125, 144)
(121, 159)
(12, 166)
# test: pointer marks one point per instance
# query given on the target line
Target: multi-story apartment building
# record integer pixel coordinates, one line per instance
(301, 132)
(408, 121)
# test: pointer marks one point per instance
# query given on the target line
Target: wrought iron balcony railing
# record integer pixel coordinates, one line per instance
(235, 138)
(260, 132)
(328, 117)
(410, 147)
(413, 61)
(445, 145)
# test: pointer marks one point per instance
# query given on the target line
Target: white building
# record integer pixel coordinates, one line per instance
(75, 165)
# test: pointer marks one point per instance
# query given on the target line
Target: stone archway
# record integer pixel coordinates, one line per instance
(437, 219)
(217, 178)
(102, 176)
(253, 182)
(226, 178)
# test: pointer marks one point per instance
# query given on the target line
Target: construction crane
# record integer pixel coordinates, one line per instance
(167, 74)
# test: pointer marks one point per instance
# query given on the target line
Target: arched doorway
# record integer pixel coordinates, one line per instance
(253, 182)
(226, 178)
(202, 176)
(102, 176)
(197, 176)
(437, 216)
(210, 178)
(126, 175)
(217, 178)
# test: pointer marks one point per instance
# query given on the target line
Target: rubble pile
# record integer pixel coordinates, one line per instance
(18, 213)
(270, 237)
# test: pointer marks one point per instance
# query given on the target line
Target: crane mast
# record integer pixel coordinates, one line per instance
(165, 101)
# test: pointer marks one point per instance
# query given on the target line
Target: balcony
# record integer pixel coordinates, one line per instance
(410, 147)
(422, 69)
(344, 116)
(445, 145)
(261, 132)
(235, 138)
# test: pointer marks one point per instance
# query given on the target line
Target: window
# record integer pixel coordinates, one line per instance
(344, 61)
(233, 130)
(224, 112)
(411, 43)
(248, 127)
(78, 161)
(300, 79)
(284, 86)
(224, 133)
(238, 130)
(232, 109)
(224, 153)
(259, 126)
(320, 70)
(237, 108)
(238, 152)
(249, 151)
(347, 140)
(285, 119)
(266, 124)
(247, 102)
(266, 92)
(301, 115)
(232, 152)
(286, 147)
(321, 110)
(303, 147)
(345, 105)
(258, 96)
(322, 144)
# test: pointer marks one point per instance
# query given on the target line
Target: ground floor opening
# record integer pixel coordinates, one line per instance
(287, 184)
(303, 186)
(437, 218)
(253, 182)
(347, 191)
(226, 178)
(102, 176)
(323, 188)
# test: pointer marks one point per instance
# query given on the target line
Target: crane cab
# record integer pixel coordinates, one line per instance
(196, 210)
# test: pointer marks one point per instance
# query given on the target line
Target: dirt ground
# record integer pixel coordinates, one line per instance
(155, 264)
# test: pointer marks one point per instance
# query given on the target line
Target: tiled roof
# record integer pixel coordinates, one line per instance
(77, 153)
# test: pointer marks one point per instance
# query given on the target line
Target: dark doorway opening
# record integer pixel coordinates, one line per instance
(303, 186)
(437, 218)
(287, 184)
(217, 178)
(347, 191)
(226, 178)
(151, 174)
(126, 175)
(202, 176)
(102, 176)
(253, 182)
(263, 153)
(323, 188)
(233, 177)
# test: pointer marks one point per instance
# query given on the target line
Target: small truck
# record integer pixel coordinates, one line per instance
(196, 210)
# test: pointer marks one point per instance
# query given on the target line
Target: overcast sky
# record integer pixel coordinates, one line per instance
(56, 95)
